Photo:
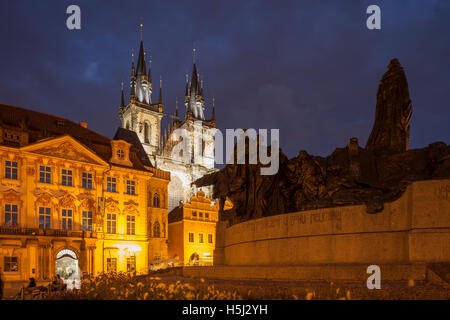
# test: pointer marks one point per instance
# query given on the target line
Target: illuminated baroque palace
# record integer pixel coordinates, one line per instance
(68, 194)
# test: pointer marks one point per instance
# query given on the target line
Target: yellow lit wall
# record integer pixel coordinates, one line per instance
(192, 232)
(36, 248)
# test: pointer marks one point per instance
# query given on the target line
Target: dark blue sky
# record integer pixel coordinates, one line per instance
(309, 68)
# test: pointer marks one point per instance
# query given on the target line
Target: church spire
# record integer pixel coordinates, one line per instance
(141, 68)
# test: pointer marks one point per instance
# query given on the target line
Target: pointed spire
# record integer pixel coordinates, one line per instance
(160, 91)
(194, 81)
(141, 67)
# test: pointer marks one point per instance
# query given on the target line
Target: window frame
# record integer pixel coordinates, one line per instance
(87, 181)
(66, 178)
(12, 170)
(112, 262)
(200, 238)
(88, 219)
(156, 200)
(210, 238)
(10, 263)
(131, 187)
(66, 219)
(191, 237)
(45, 174)
(109, 223)
(45, 215)
(12, 213)
(131, 261)
(131, 225)
(111, 186)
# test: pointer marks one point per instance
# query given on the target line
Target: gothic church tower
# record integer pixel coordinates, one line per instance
(141, 115)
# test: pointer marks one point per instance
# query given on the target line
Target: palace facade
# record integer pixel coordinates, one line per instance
(73, 201)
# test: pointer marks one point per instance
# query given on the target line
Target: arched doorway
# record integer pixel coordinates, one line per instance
(66, 266)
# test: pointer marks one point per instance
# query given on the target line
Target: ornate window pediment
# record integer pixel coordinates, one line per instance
(66, 148)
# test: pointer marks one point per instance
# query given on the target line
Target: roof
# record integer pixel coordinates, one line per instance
(40, 126)
(176, 214)
(131, 137)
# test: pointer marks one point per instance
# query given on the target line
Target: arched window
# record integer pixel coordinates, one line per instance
(156, 202)
(156, 230)
(146, 133)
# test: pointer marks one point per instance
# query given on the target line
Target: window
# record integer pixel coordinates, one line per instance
(11, 216)
(87, 220)
(111, 264)
(200, 214)
(111, 187)
(156, 200)
(194, 213)
(131, 187)
(206, 215)
(131, 264)
(66, 219)
(87, 180)
(111, 223)
(191, 237)
(200, 237)
(156, 230)
(66, 177)
(131, 225)
(11, 264)
(210, 238)
(45, 174)
(44, 218)
(120, 154)
(11, 170)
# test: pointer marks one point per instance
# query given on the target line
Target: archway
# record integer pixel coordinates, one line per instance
(66, 266)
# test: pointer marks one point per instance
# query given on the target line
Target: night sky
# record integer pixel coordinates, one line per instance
(309, 68)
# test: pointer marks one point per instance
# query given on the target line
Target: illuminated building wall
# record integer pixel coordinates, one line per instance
(192, 230)
(66, 191)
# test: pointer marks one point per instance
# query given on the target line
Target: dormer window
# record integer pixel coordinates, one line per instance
(120, 153)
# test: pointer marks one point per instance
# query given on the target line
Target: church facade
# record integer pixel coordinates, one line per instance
(143, 116)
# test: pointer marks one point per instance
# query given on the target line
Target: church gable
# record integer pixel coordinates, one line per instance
(65, 148)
